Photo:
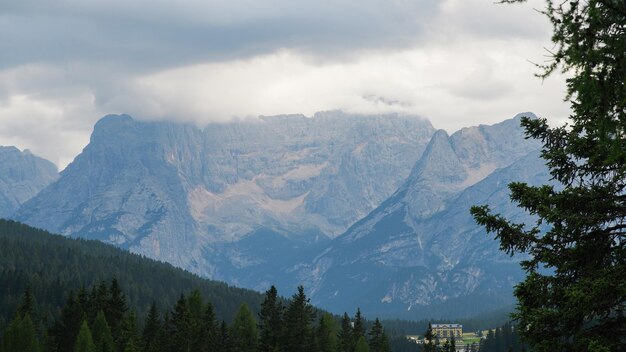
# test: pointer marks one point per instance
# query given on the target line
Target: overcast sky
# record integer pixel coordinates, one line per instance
(66, 63)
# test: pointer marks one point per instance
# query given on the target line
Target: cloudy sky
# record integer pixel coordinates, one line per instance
(66, 63)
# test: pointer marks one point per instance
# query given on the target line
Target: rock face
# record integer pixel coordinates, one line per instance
(420, 252)
(365, 211)
(230, 196)
(22, 176)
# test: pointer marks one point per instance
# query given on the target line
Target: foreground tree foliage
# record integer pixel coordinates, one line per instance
(85, 321)
(574, 296)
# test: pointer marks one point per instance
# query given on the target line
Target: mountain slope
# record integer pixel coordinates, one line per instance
(52, 265)
(420, 252)
(189, 196)
(22, 176)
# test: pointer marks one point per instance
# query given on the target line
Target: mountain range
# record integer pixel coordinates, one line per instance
(369, 211)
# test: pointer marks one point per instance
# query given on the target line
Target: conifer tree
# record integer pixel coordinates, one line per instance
(377, 339)
(28, 335)
(361, 345)
(326, 336)
(129, 332)
(196, 312)
(63, 333)
(27, 304)
(225, 344)
(210, 331)
(243, 332)
(115, 308)
(181, 325)
(270, 321)
(346, 340)
(299, 316)
(84, 340)
(150, 334)
(20, 335)
(131, 346)
(359, 326)
(102, 338)
(579, 302)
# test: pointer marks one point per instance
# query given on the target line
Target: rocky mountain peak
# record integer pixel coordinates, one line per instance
(22, 176)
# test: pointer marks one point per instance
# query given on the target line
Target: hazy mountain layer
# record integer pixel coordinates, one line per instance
(22, 176)
(420, 252)
(188, 195)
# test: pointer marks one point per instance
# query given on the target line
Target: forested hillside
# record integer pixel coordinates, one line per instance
(52, 266)
(59, 294)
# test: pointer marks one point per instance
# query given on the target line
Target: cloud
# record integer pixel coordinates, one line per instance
(64, 64)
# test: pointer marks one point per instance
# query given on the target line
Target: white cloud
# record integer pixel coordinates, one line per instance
(456, 62)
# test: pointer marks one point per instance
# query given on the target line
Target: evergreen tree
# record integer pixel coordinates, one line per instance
(63, 333)
(225, 344)
(164, 335)
(270, 321)
(489, 343)
(578, 303)
(27, 304)
(243, 332)
(150, 334)
(20, 335)
(102, 338)
(429, 340)
(299, 316)
(84, 340)
(359, 326)
(196, 312)
(115, 308)
(326, 336)
(361, 345)
(181, 326)
(346, 340)
(131, 346)
(129, 332)
(377, 339)
(210, 330)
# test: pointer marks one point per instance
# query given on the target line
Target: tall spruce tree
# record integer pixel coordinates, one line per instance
(270, 321)
(298, 327)
(20, 335)
(326, 335)
(243, 331)
(574, 295)
(346, 341)
(151, 328)
(102, 338)
(115, 308)
(181, 338)
(377, 338)
(361, 345)
(129, 332)
(225, 343)
(196, 312)
(358, 329)
(84, 340)
(210, 330)
(27, 304)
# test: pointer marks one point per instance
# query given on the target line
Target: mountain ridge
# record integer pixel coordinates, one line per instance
(367, 210)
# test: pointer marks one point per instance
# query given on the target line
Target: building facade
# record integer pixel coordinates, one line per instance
(447, 330)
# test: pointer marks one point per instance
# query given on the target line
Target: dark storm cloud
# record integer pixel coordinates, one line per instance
(155, 34)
